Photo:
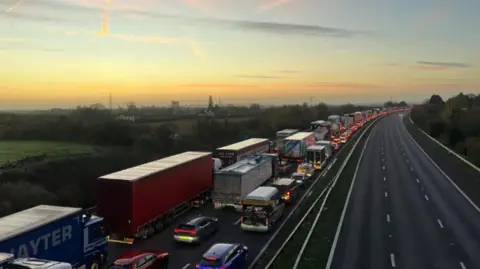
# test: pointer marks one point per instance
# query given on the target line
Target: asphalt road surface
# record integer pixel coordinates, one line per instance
(186, 256)
(404, 212)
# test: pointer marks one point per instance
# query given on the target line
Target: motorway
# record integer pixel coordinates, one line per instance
(186, 256)
(404, 212)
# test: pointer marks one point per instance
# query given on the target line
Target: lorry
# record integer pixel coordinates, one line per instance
(321, 133)
(64, 234)
(295, 146)
(347, 121)
(235, 152)
(281, 135)
(329, 147)
(8, 261)
(358, 118)
(231, 184)
(140, 201)
(317, 124)
(316, 155)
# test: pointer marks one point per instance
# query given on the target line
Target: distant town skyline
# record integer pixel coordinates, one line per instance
(61, 53)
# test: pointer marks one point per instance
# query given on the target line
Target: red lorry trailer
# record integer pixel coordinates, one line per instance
(139, 201)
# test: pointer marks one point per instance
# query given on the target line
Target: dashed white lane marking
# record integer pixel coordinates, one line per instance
(408, 161)
(463, 265)
(388, 217)
(426, 197)
(383, 167)
(392, 260)
(383, 159)
(386, 194)
(440, 223)
(384, 178)
(186, 266)
(237, 222)
(411, 168)
(418, 181)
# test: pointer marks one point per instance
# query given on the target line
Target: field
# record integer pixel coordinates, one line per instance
(185, 126)
(17, 150)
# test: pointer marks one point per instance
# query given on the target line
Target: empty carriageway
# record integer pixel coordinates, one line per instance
(404, 212)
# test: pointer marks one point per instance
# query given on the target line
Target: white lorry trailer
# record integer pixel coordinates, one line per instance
(231, 184)
(295, 146)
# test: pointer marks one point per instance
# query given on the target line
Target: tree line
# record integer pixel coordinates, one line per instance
(71, 181)
(455, 122)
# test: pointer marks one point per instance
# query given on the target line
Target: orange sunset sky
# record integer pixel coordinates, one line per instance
(62, 53)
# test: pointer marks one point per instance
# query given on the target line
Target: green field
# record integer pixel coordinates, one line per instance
(17, 150)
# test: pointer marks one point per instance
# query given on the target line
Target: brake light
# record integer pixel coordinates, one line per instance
(193, 232)
(210, 258)
(266, 221)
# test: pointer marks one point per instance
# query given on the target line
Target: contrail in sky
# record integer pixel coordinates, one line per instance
(105, 16)
(10, 9)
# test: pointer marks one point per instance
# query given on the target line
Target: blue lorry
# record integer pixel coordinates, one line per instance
(63, 234)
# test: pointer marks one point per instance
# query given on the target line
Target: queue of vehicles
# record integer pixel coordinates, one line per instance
(138, 202)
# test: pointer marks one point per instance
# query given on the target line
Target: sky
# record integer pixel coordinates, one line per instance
(63, 53)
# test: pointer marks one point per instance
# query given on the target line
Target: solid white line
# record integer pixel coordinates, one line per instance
(392, 260)
(441, 171)
(418, 181)
(463, 265)
(386, 194)
(237, 222)
(426, 197)
(388, 217)
(186, 266)
(345, 206)
(440, 223)
(449, 150)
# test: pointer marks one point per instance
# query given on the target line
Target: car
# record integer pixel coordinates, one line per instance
(195, 230)
(299, 177)
(148, 259)
(306, 168)
(224, 256)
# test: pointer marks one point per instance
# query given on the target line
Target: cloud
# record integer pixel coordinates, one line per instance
(215, 85)
(264, 27)
(22, 16)
(8, 48)
(445, 64)
(12, 39)
(290, 29)
(272, 4)
(257, 76)
(289, 71)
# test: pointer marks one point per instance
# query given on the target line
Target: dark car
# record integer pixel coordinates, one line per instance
(195, 230)
(135, 259)
(225, 256)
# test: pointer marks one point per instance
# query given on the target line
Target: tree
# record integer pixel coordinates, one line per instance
(436, 100)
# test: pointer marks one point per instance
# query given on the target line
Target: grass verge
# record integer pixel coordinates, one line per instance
(467, 178)
(316, 254)
(17, 150)
(290, 252)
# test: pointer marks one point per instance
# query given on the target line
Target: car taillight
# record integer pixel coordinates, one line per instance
(266, 221)
(193, 232)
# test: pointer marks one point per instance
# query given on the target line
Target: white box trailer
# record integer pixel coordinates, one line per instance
(231, 184)
(295, 146)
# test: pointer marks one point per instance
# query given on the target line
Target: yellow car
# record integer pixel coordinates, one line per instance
(306, 168)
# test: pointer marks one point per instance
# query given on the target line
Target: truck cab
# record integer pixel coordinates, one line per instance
(7, 261)
(95, 244)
